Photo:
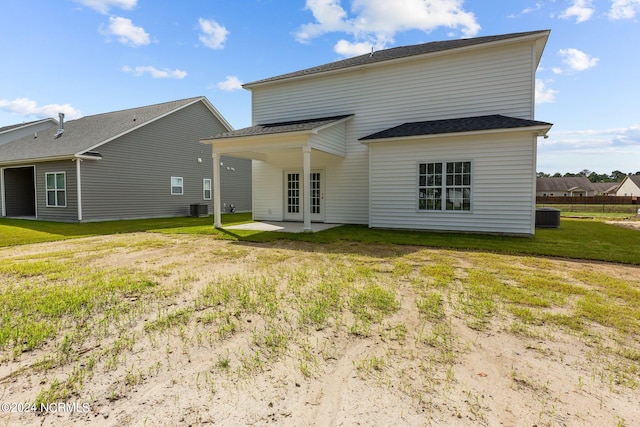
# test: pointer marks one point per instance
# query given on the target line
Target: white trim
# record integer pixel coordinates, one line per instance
(79, 188)
(315, 131)
(204, 190)
(55, 190)
(181, 193)
(18, 163)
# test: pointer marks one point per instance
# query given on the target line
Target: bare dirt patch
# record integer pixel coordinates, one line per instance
(299, 334)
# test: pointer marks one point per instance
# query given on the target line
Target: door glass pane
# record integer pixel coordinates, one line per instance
(293, 192)
(315, 193)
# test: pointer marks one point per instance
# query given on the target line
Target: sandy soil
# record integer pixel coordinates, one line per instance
(187, 375)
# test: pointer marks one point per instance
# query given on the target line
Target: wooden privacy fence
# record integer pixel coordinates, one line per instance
(588, 200)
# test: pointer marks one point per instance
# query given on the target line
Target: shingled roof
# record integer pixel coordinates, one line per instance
(282, 127)
(86, 133)
(563, 183)
(396, 53)
(465, 124)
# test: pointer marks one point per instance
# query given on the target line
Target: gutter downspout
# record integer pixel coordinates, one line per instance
(4, 210)
(79, 188)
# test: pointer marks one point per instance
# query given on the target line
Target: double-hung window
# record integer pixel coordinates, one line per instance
(206, 189)
(177, 186)
(444, 186)
(56, 189)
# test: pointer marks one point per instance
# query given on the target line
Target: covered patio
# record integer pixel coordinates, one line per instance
(298, 149)
(281, 226)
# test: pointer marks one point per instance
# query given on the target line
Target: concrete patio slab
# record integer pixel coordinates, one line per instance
(283, 227)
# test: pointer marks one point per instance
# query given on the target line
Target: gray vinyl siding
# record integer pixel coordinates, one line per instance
(496, 80)
(502, 183)
(133, 179)
(235, 184)
(63, 214)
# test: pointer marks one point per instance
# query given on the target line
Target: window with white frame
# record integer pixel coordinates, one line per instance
(177, 186)
(444, 186)
(56, 183)
(206, 189)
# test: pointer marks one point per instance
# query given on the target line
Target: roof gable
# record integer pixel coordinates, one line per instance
(398, 53)
(90, 132)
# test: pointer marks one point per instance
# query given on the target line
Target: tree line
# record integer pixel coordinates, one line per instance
(615, 176)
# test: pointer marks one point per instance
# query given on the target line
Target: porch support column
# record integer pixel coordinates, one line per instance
(306, 189)
(217, 220)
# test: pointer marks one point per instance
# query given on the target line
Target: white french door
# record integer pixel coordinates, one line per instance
(294, 197)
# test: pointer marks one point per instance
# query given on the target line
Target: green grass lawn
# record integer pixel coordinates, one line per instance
(605, 212)
(579, 239)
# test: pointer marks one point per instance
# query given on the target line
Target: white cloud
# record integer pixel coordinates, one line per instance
(600, 150)
(28, 107)
(213, 35)
(624, 9)
(155, 72)
(346, 48)
(377, 21)
(581, 10)
(126, 32)
(544, 94)
(537, 7)
(103, 6)
(231, 83)
(575, 60)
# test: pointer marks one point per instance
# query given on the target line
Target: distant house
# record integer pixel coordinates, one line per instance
(13, 132)
(630, 186)
(575, 186)
(435, 136)
(137, 163)
(605, 188)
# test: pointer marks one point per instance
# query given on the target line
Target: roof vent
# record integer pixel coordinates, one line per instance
(60, 126)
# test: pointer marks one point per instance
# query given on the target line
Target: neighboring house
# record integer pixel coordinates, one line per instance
(13, 132)
(137, 163)
(605, 188)
(630, 186)
(574, 186)
(436, 136)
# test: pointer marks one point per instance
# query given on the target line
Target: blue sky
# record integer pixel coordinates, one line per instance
(84, 57)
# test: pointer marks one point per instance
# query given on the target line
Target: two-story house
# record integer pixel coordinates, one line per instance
(435, 136)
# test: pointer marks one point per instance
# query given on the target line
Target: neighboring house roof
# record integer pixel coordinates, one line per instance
(464, 124)
(8, 128)
(562, 183)
(397, 53)
(283, 127)
(605, 187)
(88, 133)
